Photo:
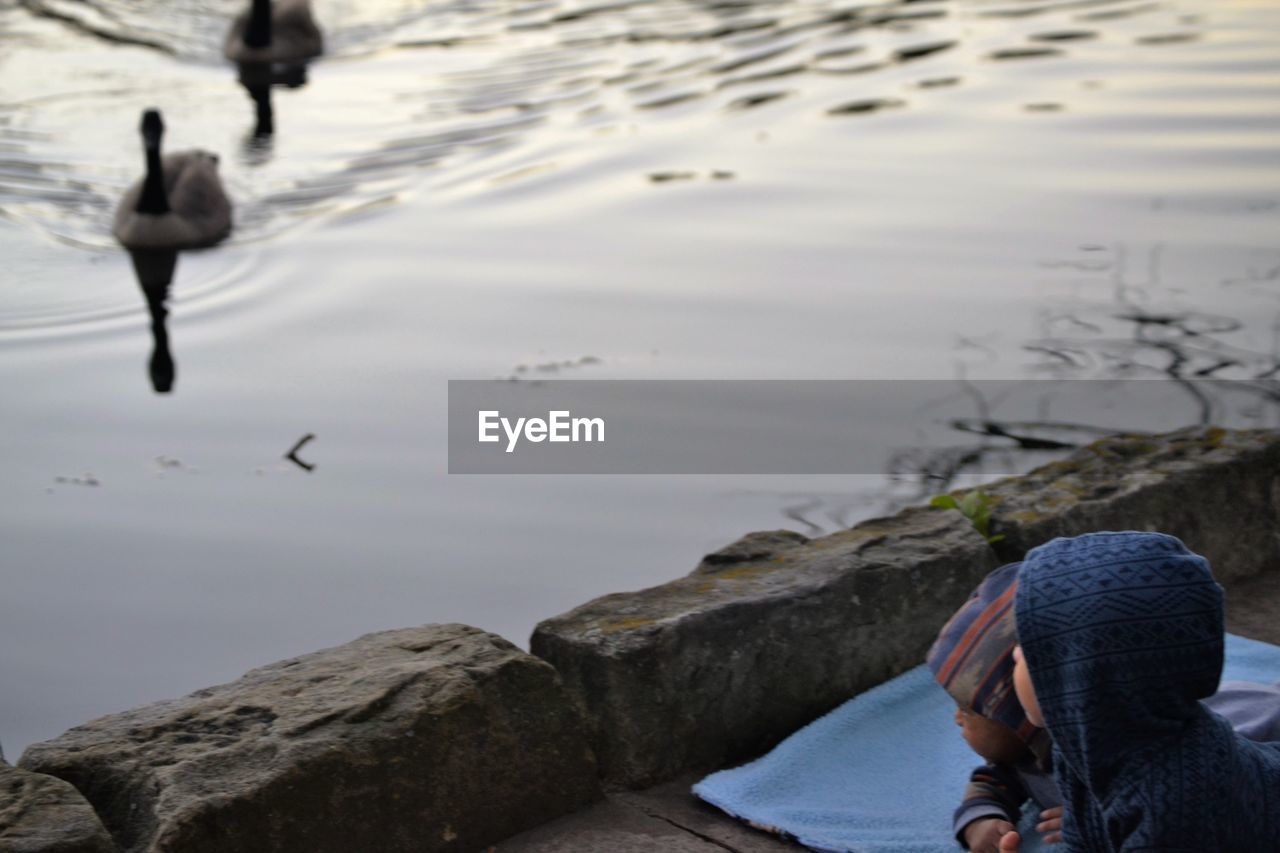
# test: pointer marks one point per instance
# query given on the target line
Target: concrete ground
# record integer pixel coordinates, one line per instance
(665, 818)
(668, 819)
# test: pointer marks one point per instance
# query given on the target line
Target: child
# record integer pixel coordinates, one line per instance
(1121, 635)
(973, 660)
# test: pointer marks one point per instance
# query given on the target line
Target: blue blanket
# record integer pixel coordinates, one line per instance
(884, 771)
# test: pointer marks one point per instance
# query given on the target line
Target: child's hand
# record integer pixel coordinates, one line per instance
(1050, 825)
(984, 835)
(1009, 842)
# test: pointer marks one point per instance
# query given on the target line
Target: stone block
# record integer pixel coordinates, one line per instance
(437, 738)
(762, 637)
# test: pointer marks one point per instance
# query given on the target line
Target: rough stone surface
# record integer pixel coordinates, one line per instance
(1217, 490)
(41, 814)
(435, 738)
(762, 637)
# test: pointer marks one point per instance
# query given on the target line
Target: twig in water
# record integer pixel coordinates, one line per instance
(292, 455)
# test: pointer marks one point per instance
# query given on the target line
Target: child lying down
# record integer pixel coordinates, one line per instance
(973, 659)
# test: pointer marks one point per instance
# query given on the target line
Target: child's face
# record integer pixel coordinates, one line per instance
(994, 741)
(1022, 686)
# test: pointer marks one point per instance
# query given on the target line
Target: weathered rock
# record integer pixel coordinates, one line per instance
(436, 738)
(41, 814)
(761, 638)
(1217, 490)
(761, 545)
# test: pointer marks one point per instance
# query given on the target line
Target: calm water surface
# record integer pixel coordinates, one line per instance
(737, 189)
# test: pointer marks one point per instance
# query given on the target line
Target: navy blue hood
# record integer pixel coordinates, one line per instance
(1122, 630)
(1123, 634)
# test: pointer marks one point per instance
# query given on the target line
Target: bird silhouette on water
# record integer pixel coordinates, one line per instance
(179, 203)
(281, 32)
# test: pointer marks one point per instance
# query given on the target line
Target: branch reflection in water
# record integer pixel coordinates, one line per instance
(1143, 332)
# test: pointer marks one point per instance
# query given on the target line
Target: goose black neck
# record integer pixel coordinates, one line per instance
(153, 199)
(257, 33)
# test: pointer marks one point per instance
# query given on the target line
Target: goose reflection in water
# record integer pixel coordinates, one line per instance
(271, 43)
(258, 79)
(154, 269)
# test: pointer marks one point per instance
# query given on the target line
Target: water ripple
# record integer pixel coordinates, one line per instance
(410, 86)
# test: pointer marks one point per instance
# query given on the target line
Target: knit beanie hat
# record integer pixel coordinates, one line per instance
(973, 656)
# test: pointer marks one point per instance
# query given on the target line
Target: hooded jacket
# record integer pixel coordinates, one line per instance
(1123, 635)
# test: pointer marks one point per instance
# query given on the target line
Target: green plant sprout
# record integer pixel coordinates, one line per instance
(976, 507)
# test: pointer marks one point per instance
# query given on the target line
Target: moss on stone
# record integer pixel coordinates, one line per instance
(1026, 516)
(1213, 437)
(859, 534)
(751, 570)
(624, 623)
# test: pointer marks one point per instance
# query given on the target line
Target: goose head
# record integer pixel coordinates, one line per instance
(152, 128)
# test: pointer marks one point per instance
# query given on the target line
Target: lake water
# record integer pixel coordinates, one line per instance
(674, 189)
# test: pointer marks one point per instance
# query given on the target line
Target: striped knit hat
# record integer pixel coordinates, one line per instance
(973, 655)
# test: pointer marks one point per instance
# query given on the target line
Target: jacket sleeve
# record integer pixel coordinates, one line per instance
(994, 790)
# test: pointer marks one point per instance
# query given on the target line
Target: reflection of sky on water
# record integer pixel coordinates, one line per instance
(489, 209)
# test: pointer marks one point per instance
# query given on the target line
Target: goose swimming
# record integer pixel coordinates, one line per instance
(178, 204)
(267, 32)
